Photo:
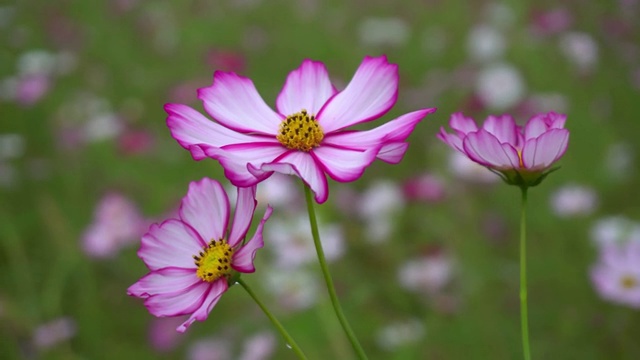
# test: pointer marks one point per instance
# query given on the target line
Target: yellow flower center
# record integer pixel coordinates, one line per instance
(629, 282)
(300, 131)
(214, 261)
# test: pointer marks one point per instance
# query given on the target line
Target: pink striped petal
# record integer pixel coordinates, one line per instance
(302, 165)
(235, 103)
(461, 124)
(503, 128)
(396, 130)
(170, 244)
(308, 87)
(167, 281)
(543, 151)
(370, 94)
(218, 288)
(393, 153)
(243, 258)
(485, 149)
(342, 164)
(189, 128)
(206, 209)
(535, 127)
(245, 207)
(452, 140)
(180, 303)
(235, 159)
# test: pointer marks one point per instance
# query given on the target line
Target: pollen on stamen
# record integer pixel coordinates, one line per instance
(300, 131)
(212, 259)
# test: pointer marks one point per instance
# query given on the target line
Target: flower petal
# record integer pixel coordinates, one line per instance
(190, 128)
(167, 281)
(245, 207)
(503, 128)
(178, 303)
(541, 152)
(396, 130)
(485, 149)
(461, 124)
(234, 101)
(343, 164)
(304, 166)
(206, 209)
(370, 94)
(393, 153)
(452, 140)
(235, 159)
(216, 290)
(243, 258)
(170, 244)
(308, 87)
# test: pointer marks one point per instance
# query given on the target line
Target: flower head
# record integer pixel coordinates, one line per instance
(616, 277)
(307, 135)
(523, 155)
(193, 258)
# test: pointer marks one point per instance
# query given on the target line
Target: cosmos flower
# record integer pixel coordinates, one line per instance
(193, 259)
(522, 155)
(307, 136)
(616, 276)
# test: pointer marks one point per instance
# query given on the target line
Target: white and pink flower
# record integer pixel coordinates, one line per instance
(523, 155)
(307, 135)
(616, 276)
(193, 258)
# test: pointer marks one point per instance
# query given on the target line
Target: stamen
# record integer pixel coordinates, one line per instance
(212, 259)
(629, 282)
(300, 131)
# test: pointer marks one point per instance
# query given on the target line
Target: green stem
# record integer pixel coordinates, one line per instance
(524, 316)
(327, 277)
(289, 340)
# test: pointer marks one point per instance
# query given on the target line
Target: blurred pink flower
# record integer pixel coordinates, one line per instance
(523, 155)
(427, 274)
(31, 88)
(226, 60)
(213, 348)
(192, 259)
(258, 347)
(49, 334)
(426, 188)
(616, 276)
(307, 136)
(117, 222)
(551, 22)
(135, 141)
(162, 334)
(574, 200)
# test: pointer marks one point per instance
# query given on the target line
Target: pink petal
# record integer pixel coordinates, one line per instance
(167, 281)
(485, 149)
(305, 167)
(190, 128)
(461, 124)
(342, 164)
(503, 128)
(243, 258)
(235, 103)
(393, 153)
(170, 244)
(452, 140)
(545, 150)
(535, 127)
(396, 130)
(178, 303)
(206, 209)
(235, 159)
(218, 288)
(308, 87)
(370, 94)
(245, 207)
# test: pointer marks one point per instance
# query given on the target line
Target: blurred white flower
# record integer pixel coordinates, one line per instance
(465, 169)
(485, 43)
(615, 230)
(54, 332)
(400, 333)
(279, 191)
(383, 31)
(11, 146)
(213, 348)
(427, 274)
(619, 160)
(378, 206)
(580, 49)
(500, 86)
(294, 290)
(574, 200)
(37, 62)
(258, 347)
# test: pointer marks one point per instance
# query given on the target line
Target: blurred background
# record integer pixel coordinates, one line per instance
(424, 253)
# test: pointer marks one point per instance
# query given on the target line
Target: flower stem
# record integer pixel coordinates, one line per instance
(524, 316)
(327, 277)
(289, 340)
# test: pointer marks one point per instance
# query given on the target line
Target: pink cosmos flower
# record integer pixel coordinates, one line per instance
(617, 275)
(307, 135)
(522, 154)
(193, 259)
